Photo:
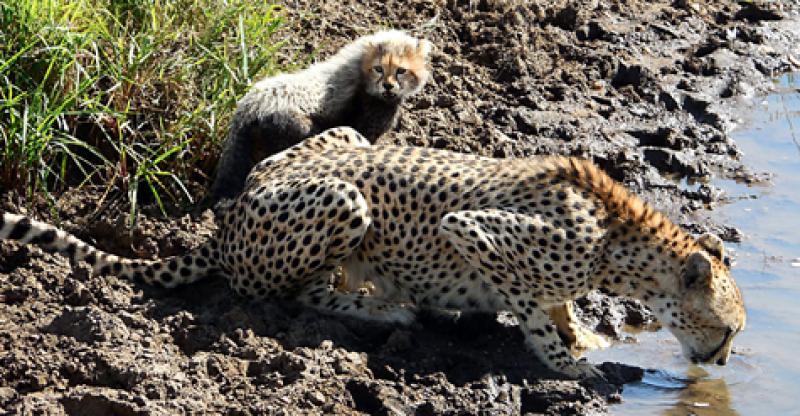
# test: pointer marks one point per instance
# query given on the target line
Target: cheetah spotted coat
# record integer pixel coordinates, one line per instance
(436, 229)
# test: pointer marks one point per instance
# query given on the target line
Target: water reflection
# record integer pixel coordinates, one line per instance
(703, 396)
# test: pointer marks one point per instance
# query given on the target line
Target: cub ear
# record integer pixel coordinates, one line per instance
(374, 47)
(712, 244)
(424, 47)
(697, 270)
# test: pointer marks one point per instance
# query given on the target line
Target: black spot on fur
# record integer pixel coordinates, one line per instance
(46, 237)
(70, 251)
(20, 229)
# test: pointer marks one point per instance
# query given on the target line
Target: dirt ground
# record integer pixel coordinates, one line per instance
(644, 88)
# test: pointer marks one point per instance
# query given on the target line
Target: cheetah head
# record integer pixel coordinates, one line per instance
(708, 309)
(395, 65)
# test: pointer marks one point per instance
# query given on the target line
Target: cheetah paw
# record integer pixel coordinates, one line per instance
(586, 339)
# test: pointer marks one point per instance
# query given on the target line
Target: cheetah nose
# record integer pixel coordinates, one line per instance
(388, 86)
(722, 360)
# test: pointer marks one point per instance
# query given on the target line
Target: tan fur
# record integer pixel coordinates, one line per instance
(626, 206)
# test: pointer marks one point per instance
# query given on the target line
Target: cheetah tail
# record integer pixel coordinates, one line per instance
(168, 272)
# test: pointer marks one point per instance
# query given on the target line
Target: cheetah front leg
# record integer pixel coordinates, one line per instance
(577, 337)
(492, 241)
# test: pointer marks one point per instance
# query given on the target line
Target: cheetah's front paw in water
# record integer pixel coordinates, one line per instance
(586, 339)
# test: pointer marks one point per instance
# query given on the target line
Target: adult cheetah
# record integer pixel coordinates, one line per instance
(434, 228)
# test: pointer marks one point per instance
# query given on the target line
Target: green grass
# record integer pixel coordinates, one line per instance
(132, 94)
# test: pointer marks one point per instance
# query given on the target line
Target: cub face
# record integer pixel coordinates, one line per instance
(395, 66)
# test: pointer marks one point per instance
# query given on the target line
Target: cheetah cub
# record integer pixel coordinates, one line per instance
(439, 229)
(361, 86)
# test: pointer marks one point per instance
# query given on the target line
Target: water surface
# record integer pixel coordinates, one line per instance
(763, 377)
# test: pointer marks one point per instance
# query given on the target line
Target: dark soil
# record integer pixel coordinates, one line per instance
(641, 87)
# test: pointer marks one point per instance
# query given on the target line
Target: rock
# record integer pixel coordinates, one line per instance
(594, 30)
(7, 394)
(757, 11)
(669, 99)
(634, 74)
(566, 18)
(76, 293)
(88, 324)
(375, 399)
(619, 374)
(316, 398)
(525, 119)
(540, 397)
(658, 137)
(699, 106)
(671, 162)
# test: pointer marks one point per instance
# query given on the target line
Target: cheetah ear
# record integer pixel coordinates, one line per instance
(697, 270)
(424, 47)
(375, 47)
(712, 244)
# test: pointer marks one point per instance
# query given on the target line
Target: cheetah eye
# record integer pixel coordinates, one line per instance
(401, 71)
(378, 69)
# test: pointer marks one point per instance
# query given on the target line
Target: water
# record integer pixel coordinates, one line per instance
(763, 377)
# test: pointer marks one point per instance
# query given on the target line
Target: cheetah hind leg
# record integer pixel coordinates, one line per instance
(286, 237)
(333, 246)
(578, 337)
(490, 241)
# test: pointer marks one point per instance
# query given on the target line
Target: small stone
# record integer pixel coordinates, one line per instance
(7, 394)
(316, 397)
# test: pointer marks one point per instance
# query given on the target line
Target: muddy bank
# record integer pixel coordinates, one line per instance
(639, 87)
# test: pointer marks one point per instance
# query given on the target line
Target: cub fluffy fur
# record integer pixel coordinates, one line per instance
(361, 86)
